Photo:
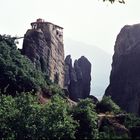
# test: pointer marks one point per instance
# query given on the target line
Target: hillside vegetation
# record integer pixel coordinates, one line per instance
(24, 116)
(17, 73)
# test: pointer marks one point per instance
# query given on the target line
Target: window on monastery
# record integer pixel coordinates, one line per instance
(56, 32)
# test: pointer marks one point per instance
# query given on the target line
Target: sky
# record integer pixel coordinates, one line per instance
(89, 21)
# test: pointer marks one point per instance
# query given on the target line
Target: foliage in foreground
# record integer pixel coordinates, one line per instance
(112, 1)
(17, 73)
(23, 117)
(87, 117)
(131, 121)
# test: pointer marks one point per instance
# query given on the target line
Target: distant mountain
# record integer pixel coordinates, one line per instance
(100, 60)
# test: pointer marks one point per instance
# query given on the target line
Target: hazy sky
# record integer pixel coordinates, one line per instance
(89, 21)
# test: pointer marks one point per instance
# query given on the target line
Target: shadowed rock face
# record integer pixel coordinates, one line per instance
(124, 85)
(35, 47)
(77, 78)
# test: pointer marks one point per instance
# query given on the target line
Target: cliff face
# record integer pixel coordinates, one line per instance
(43, 45)
(77, 78)
(124, 85)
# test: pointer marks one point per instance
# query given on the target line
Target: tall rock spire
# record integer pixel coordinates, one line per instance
(124, 87)
(77, 78)
(43, 45)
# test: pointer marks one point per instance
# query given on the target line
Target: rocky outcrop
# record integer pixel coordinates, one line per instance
(43, 45)
(77, 78)
(114, 123)
(124, 86)
(35, 47)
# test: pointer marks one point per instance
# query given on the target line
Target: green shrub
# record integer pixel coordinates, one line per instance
(17, 73)
(60, 122)
(8, 112)
(85, 114)
(131, 120)
(109, 132)
(56, 90)
(22, 117)
(107, 105)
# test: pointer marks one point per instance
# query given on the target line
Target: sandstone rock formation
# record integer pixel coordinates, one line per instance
(77, 78)
(43, 45)
(124, 85)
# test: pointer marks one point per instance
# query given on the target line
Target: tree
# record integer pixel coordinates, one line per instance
(107, 105)
(112, 1)
(60, 124)
(23, 117)
(17, 73)
(87, 117)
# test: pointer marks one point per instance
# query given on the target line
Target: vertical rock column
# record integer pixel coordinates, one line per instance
(77, 78)
(43, 45)
(124, 87)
